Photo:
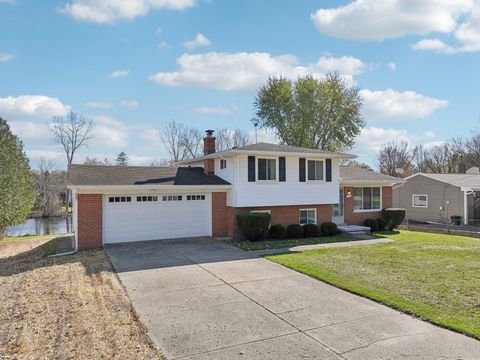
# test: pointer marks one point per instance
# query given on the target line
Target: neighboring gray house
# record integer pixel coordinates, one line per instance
(437, 197)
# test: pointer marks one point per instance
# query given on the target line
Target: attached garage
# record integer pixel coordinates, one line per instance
(161, 216)
(118, 204)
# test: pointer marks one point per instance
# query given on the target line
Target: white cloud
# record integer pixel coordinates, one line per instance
(163, 45)
(110, 11)
(119, 73)
(151, 135)
(433, 44)
(199, 40)
(392, 66)
(391, 104)
(5, 57)
(378, 20)
(467, 36)
(98, 105)
(217, 110)
(109, 131)
(35, 155)
(31, 107)
(247, 71)
(32, 133)
(371, 139)
(130, 104)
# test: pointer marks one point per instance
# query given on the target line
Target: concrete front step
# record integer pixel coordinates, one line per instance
(354, 229)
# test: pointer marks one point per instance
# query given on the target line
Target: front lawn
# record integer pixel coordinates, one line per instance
(70, 307)
(28, 237)
(287, 243)
(433, 276)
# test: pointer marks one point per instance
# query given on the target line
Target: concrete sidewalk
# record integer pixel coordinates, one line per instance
(204, 299)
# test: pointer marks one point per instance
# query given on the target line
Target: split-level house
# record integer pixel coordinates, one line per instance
(202, 196)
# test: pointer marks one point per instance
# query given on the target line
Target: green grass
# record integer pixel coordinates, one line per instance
(29, 237)
(286, 243)
(433, 276)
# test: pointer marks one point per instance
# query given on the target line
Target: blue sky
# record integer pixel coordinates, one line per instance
(134, 65)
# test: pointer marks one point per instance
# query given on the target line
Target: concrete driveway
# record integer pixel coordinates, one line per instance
(204, 299)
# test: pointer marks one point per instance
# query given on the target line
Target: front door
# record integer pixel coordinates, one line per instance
(338, 216)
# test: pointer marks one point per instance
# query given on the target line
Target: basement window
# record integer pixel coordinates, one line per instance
(118, 199)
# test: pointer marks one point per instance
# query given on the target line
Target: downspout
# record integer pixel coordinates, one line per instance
(466, 192)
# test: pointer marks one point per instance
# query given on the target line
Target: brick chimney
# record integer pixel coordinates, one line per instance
(209, 148)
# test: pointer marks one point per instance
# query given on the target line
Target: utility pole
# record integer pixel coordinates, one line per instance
(255, 123)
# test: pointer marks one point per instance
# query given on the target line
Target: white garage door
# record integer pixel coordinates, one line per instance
(150, 217)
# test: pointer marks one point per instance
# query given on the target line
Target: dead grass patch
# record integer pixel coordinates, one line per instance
(71, 307)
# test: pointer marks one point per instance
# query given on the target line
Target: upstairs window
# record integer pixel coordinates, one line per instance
(315, 170)
(267, 169)
(420, 201)
(223, 164)
(367, 198)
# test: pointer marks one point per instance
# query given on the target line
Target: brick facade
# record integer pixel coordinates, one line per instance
(220, 214)
(209, 166)
(284, 215)
(89, 232)
(357, 218)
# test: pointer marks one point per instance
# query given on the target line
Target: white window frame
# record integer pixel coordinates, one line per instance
(277, 172)
(419, 206)
(324, 170)
(223, 164)
(260, 212)
(367, 210)
(300, 216)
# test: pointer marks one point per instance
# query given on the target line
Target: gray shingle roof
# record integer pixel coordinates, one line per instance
(139, 175)
(354, 174)
(267, 147)
(471, 181)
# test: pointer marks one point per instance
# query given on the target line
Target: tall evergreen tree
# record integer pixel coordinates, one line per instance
(16, 182)
(122, 159)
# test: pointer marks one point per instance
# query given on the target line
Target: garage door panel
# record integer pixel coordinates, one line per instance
(137, 221)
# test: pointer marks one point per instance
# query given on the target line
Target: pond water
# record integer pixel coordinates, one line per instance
(42, 226)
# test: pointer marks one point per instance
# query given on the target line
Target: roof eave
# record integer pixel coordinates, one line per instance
(159, 187)
(371, 182)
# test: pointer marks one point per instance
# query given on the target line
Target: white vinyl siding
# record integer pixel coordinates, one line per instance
(276, 193)
(152, 220)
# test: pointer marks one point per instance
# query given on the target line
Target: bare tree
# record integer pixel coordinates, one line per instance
(472, 150)
(420, 159)
(48, 184)
(192, 142)
(72, 131)
(173, 138)
(356, 164)
(93, 161)
(226, 139)
(161, 163)
(395, 155)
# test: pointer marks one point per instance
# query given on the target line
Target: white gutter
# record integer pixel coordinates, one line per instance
(147, 187)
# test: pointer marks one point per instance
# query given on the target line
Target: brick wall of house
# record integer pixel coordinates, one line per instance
(220, 214)
(89, 232)
(284, 215)
(357, 218)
